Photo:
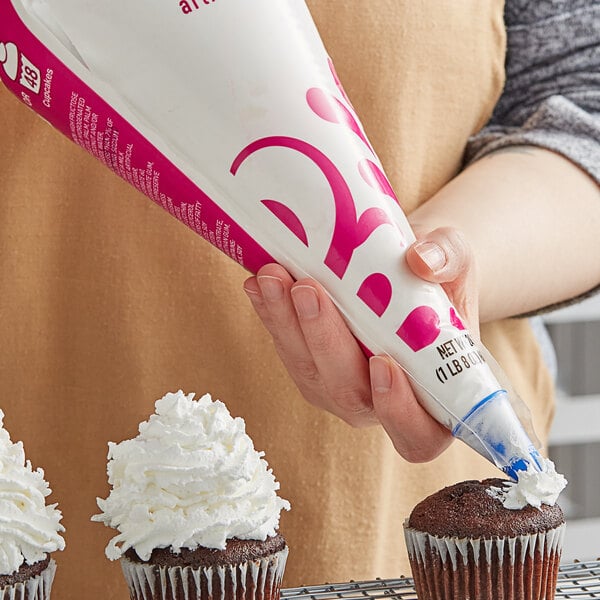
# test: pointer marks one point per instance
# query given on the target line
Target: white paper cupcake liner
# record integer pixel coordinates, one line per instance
(254, 580)
(35, 588)
(519, 568)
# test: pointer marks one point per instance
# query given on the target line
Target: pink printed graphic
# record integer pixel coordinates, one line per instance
(376, 178)
(338, 83)
(420, 328)
(350, 231)
(376, 292)
(331, 109)
(455, 320)
(289, 218)
(9, 59)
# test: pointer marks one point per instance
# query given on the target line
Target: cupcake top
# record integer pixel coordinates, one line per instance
(190, 478)
(29, 529)
(474, 509)
(237, 552)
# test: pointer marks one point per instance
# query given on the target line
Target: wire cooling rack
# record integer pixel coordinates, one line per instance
(579, 580)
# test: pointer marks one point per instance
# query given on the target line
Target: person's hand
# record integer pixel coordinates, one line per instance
(329, 367)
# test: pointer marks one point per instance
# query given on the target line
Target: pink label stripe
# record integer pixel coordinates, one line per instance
(71, 106)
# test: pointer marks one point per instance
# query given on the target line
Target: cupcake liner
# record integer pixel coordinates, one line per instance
(518, 568)
(258, 579)
(38, 587)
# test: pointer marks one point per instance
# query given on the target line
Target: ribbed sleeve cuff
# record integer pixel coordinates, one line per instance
(558, 124)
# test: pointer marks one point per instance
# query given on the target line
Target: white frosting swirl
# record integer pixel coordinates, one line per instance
(533, 487)
(28, 528)
(190, 478)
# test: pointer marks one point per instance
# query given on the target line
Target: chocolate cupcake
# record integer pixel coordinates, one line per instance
(195, 506)
(29, 529)
(200, 572)
(465, 544)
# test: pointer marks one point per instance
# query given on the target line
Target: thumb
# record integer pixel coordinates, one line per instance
(440, 256)
(444, 256)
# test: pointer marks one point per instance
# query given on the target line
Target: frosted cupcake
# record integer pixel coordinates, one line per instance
(29, 529)
(487, 540)
(195, 506)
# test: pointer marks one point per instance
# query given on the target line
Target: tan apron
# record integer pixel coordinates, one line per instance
(107, 302)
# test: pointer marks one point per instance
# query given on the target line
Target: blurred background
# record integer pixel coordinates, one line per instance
(575, 438)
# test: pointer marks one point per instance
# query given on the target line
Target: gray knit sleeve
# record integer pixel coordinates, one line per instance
(551, 97)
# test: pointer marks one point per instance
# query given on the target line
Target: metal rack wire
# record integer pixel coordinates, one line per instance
(579, 581)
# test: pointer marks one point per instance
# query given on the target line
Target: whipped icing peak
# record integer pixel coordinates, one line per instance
(29, 529)
(533, 488)
(190, 478)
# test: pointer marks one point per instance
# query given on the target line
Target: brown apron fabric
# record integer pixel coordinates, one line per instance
(108, 302)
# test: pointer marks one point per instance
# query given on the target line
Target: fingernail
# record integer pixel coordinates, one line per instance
(271, 287)
(381, 375)
(251, 287)
(305, 301)
(432, 255)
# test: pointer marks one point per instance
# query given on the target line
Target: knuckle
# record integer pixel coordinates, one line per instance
(424, 450)
(359, 421)
(320, 341)
(416, 455)
(305, 370)
(354, 405)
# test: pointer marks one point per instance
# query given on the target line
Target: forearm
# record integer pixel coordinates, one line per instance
(533, 220)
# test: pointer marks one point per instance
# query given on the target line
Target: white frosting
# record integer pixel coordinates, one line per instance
(29, 529)
(190, 478)
(533, 487)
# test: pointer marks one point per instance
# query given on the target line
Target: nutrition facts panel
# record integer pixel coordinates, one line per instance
(577, 580)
